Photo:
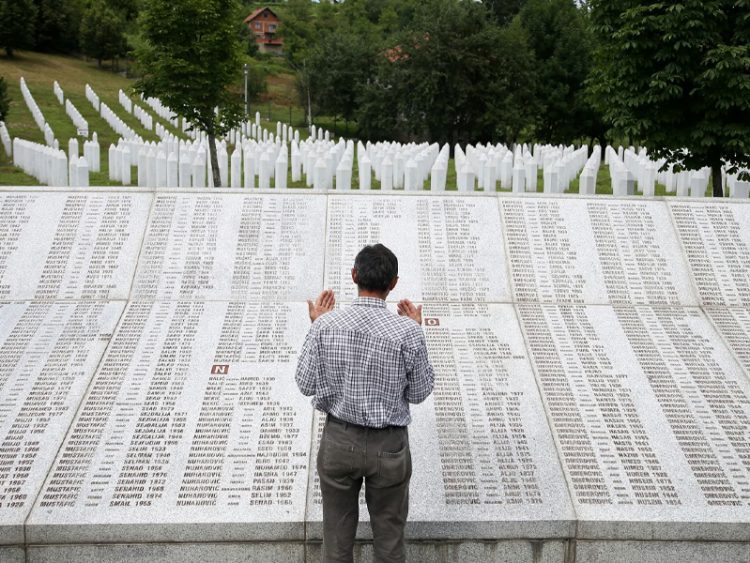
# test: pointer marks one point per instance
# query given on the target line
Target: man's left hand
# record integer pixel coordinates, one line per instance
(322, 305)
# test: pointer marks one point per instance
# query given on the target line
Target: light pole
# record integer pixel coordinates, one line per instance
(246, 69)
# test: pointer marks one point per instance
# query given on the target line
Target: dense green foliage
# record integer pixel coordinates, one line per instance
(17, 20)
(504, 10)
(68, 26)
(452, 77)
(445, 70)
(57, 25)
(190, 56)
(562, 45)
(675, 76)
(101, 34)
(4, 99)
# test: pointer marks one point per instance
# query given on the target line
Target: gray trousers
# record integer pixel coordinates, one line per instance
(348, 455)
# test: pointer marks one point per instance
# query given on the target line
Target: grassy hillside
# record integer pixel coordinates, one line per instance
(40, 71)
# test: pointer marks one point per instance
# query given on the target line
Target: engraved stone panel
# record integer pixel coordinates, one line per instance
(594, 251)
(192, 430)
(12, 555)
(483, 457)
(448, 248)
(734, 327)
(651, 416)
(48, 354)
(81, 245)
(233, 247)
(716, 240)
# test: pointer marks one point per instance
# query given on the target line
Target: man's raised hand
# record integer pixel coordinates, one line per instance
(407, 309)
(322, 305)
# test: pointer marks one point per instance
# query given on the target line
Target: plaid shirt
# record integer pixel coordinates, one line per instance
(365, 364)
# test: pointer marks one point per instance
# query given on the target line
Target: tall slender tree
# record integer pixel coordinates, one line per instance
(675, 77)
(190, 57)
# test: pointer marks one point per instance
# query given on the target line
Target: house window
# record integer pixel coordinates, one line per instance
(272, 27)
(258, 25)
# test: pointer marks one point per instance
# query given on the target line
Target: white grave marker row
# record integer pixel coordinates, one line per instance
(737, 188)
(125, 102)
(144, 117)
(162, 111)
(587, 183)
(5, 139)
(48, 165)
(44, 127)
(117, 124)
(59, 94)
(78, 120)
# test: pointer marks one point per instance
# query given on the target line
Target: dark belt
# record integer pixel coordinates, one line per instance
(331, 418)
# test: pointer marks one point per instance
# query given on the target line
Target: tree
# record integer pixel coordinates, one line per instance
(504, 10)
(298, 29)
(256, 80)
(562, 44)
(452, 76)
(17, 19)
(340, 66)
(247, 38)
(299, 35)
(101, 34)
(193, 76)
(4, 100)
(675, 77)
(58, 25)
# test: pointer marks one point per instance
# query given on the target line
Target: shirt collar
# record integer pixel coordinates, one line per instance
(373, 302)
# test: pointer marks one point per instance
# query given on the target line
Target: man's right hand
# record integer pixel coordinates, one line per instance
(322, 305)
(407, 309)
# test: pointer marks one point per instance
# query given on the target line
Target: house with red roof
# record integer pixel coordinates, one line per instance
(264, 24)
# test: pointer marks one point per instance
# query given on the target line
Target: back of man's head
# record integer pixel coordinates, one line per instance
(376, 268)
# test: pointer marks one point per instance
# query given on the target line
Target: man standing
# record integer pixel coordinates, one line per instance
(363, 365)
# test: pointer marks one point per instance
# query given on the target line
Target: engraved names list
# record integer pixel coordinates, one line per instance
(192, 418)
(49, 353)
(449, 248)
(70, 246)
(231, 246)
(594, 251)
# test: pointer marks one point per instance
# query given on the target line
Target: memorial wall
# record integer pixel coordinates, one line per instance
(592, 361)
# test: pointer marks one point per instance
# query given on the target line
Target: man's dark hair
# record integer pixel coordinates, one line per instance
(376, 267)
